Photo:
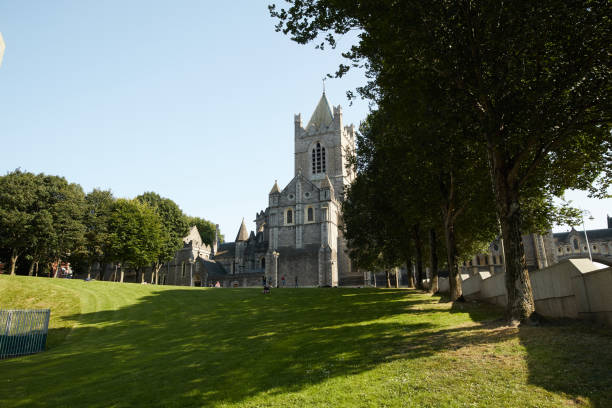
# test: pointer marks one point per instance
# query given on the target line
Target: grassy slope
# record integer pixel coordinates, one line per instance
(136, 345)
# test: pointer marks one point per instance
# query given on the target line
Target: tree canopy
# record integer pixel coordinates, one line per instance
(45, 219)
(529, 83)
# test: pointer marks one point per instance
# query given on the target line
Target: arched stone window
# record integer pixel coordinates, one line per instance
(318, 159)
(289, 217)
(310, 214)
(575, 243)
(263, 263)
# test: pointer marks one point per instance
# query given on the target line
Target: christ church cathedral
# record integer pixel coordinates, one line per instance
(298, 239)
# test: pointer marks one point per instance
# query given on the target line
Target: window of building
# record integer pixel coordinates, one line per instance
(310, 214)
(183, 269)
(318, 159)
(263, 263)
(575, 244)
(594, 247)
(289, 218)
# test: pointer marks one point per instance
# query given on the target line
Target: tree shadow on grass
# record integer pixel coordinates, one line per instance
(206, 347)
(563, 355)
(571, 357)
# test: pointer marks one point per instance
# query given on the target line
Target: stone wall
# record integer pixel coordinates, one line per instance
(303, 263)
(573, 288)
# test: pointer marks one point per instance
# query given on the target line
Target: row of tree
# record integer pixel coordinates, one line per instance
(483, 112)
(45, 219)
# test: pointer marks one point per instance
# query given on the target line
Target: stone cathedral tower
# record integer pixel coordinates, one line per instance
(298, 239)
(322, 146)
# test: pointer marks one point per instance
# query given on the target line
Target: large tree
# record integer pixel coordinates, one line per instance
(533, 81)
(41, 217)
(18, 205)
(175, 227)
(136, 235)
(65, 203)
(427, 181)
(99, 205)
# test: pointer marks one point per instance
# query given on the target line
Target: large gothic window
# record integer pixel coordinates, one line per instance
(289, 217)
(310, 214)
(318, 159)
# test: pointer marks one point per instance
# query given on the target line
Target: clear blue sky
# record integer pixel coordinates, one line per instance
(191, 99)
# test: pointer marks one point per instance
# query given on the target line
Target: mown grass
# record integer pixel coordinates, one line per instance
(136, 345)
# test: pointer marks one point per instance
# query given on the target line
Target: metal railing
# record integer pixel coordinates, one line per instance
(23, 331)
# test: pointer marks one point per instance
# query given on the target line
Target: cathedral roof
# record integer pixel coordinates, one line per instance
(322, 114)
(604, 234)
(193, 237)
(243, 234)
(275, 188)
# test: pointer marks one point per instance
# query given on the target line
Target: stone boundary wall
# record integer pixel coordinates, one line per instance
(573, 288)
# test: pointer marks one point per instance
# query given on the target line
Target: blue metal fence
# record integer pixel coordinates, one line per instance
(23, 331)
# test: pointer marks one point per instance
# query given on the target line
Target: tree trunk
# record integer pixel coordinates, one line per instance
(454, 279)
(89, 272)
(121, 276)
(520, 304)
(156, 268)
(409, 271)
(397, 275)
(31, 270)
(14, 257)
(57, 269)
(36, 268)
(101, 269)
(433, 261)
(419, 256)
(388, 276)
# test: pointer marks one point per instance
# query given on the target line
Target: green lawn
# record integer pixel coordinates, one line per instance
(126, 345)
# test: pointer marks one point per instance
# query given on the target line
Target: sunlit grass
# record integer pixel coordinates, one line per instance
(141, 345)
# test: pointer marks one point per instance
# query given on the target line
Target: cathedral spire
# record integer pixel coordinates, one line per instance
(243, 235)
(322, 114)
(275, 189)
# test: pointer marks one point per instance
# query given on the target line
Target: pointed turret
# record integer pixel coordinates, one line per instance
(275, 189)
(243, 234)
(322, 114)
